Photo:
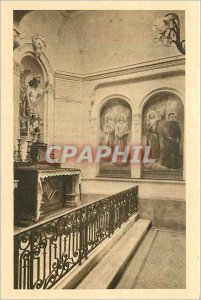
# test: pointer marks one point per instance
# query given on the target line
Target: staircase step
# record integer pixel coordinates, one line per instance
(130, 276)
(108, 270)
(76, 275)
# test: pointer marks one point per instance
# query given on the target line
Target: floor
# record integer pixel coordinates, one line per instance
(159, 263)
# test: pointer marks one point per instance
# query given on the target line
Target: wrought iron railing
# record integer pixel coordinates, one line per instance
(47, 252)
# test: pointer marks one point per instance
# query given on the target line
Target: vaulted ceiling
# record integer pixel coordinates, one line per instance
(19, 14)
(88, 41)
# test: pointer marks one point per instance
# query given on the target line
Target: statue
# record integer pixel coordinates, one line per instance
(152, 134)
(171, 139)
(121, 132)
(108, 129)
(30, 120)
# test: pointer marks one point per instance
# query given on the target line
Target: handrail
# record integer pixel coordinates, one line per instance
(46, 252)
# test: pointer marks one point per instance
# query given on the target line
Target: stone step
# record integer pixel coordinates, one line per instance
(107, 272)
(132, 271)
(76, 275)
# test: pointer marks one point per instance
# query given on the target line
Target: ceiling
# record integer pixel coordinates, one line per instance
(73, 13)
(19, 14)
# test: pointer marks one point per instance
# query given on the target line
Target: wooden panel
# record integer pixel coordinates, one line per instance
(52, 194)
(56, 186)
(26, 193)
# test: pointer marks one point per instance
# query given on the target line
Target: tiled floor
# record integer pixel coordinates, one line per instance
(161, 266)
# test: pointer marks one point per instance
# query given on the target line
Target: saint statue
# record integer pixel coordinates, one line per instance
(108, 129)
(121, 132)
(29, 117)
(152, 136)
(171, 139)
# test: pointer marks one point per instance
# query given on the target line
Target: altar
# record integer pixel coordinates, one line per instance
(42, 191)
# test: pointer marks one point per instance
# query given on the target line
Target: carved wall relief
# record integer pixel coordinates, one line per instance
(136, 122)
(39, 45)
(16, 39)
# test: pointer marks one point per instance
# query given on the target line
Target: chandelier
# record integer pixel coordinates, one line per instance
(167, 30)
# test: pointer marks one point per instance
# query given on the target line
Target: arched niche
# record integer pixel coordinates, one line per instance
(28, 63)
(163, 131)
(31, 64)
(115, 120)
(31, 69)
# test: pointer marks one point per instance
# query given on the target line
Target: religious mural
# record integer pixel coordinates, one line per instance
(115, 130)
(163, 126)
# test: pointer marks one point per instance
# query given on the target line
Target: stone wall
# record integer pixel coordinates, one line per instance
(95, 57)
(98, 40)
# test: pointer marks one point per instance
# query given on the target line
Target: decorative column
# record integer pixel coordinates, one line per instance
(93, 169)
(136, 141)
(49, 115)
(17, 70)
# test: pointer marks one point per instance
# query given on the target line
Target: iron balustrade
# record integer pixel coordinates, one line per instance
(47, 252)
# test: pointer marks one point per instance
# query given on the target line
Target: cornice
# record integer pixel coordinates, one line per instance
(67, 76)
(137, 68)
(164, 63)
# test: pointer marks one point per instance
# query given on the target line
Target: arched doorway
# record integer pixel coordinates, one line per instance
(163, 131)
(115, 130)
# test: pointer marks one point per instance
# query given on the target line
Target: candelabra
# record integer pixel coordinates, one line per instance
(28, 156)
(167, 31)
(18, 156)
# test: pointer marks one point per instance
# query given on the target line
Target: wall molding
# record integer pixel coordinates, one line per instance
(67, 76)
(66, 99)
(137, 180)
(167, 62)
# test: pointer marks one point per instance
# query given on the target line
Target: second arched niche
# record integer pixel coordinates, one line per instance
(163, 131)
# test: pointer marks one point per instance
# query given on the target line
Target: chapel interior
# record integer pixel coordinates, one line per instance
(99, 78)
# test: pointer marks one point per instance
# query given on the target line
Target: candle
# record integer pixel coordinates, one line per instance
(28, 130)
(54, 119)
(18, 127)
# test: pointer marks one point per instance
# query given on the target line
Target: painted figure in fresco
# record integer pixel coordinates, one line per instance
(152, 136)
(171, 139)
(108, 129)
(121, 132)
(29, 117)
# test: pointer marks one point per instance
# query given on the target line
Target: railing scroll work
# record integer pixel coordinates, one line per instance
(47, 252)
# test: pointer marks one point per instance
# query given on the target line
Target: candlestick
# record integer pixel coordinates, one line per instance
(28, 130)
(54, 118)
(18, 156)
(19, 127)
(14, 153)
(38, 136)
(28, 157)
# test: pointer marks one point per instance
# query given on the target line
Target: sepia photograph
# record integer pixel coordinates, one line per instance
(99, 149)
